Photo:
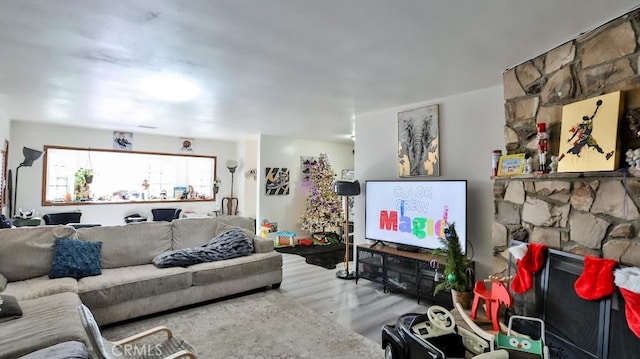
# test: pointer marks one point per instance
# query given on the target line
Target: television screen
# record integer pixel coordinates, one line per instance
(415, 213)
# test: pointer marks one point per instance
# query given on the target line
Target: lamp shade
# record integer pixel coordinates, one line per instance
(231, 165)
(347, 188)
(30, 155)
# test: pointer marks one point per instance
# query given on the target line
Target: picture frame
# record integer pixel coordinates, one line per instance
(276, 181)
(589, 134)
(307, 163)
(122, 140)
(418, 142)
(186, 144)
(348, 175)
(510, 165)
(179, 191)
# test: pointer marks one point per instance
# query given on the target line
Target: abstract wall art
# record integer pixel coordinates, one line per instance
(277, 181)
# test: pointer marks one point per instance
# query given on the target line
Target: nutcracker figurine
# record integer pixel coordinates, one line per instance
(542, 147)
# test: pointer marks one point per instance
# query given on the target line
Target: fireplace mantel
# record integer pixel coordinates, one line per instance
(622, 173)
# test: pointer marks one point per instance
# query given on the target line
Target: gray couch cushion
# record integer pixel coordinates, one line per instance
(40, 287)
(121, 284)
(27, 252)
(129, 244)
(223, 227)
(262, 245)
(192, 232)
(214, 272)
(238, 221)
(46, 321)
(3, 282)
(66, 350)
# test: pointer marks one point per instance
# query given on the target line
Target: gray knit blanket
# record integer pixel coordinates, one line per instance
(230, 244)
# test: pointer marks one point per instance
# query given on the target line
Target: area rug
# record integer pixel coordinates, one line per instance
(258, 325)
(326, 256)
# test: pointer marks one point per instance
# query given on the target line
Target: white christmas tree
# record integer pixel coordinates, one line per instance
(323, 209)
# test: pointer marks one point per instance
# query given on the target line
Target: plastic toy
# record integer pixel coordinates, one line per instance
(432, 335)
(515, 345)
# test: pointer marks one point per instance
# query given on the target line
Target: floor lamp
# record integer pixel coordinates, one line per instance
(30, 155)
(230, 201)
(346, 189)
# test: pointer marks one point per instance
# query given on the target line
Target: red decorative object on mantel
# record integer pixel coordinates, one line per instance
(543, 143)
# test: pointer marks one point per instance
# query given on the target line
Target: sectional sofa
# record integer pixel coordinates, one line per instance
(129, 286)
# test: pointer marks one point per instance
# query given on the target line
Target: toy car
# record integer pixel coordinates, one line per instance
(431, 335)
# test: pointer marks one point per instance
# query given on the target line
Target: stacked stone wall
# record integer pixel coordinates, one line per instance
(602, 61)
(596, 216)
(584, 213)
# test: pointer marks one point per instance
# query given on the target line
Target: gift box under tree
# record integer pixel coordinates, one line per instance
(285, 238)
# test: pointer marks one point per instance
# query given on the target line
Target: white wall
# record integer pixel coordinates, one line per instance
(4, 126)
(471, 125)
(250, 186)
(285, 152)
(36, 135)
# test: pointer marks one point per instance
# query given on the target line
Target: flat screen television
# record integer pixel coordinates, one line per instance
(414, 213)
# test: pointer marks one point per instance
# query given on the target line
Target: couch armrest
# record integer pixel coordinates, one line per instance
(262, 245)
(3, 282)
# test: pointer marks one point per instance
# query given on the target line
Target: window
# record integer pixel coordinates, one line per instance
(97, 176)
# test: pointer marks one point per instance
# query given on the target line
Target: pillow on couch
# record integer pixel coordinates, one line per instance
(9, 308)
(75, 258)
(228, 244)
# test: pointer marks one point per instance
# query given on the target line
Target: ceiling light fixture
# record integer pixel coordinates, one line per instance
(170, 87)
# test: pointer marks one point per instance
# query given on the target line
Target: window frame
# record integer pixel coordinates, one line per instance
(46, 171)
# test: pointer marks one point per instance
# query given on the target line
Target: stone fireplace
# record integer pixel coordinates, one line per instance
(590, 214)
(574, 214)
(581, 213)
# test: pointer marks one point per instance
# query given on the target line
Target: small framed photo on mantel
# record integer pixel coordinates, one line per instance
(511, 165)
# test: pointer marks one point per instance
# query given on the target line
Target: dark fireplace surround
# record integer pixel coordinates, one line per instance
(575, 327)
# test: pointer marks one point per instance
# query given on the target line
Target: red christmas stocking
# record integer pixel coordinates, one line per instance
(596, 281)
(529, 264)
(628, 279)
(523, 280)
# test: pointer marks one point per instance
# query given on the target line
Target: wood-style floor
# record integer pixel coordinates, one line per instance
(363, 307)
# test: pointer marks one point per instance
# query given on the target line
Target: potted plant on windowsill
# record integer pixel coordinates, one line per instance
(456, 270)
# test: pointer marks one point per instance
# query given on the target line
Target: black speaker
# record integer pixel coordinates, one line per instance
(347, 188)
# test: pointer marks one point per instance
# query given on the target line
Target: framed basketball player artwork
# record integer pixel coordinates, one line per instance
(418, 142)
(589, 138)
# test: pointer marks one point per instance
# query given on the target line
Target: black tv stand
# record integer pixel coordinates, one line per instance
(412, 249)
(376, 243)
(402, 272)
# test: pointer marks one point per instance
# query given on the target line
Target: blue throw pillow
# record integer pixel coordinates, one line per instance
(75, 258)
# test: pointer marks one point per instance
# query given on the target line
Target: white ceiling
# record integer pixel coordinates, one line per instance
(300, 68)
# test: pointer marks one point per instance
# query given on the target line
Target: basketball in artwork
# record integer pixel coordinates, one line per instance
(589, 134)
